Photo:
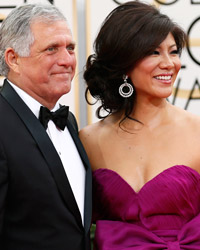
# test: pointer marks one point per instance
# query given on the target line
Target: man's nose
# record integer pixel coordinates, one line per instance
(66, 58)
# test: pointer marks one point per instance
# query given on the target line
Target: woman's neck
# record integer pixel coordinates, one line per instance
(150, 113)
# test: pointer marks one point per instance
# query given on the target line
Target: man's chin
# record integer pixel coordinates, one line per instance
(65, 89)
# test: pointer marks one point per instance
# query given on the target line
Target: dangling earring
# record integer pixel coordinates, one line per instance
(125, 85)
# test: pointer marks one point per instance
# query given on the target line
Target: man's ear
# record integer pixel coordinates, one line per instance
(11, 58)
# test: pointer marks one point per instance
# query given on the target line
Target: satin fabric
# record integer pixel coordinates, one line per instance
(164, 214)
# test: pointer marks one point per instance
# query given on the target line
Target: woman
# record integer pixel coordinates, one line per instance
(145, 153)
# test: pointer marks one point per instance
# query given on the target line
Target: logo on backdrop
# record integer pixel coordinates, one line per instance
(12, 6)
(163, 2)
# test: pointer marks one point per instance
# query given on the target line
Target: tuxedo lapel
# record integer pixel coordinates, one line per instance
(88, 181)
(46, 147)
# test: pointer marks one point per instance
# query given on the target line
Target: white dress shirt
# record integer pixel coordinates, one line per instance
(66, 149)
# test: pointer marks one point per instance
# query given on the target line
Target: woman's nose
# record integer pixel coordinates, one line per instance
(167, 62)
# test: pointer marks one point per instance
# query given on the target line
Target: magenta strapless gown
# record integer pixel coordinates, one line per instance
(164, 214)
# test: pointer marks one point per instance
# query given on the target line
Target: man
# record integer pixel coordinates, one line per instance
(45, 177)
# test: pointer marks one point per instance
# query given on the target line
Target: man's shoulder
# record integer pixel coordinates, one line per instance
(72, 120)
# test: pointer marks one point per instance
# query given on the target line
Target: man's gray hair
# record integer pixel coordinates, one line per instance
(15, 31)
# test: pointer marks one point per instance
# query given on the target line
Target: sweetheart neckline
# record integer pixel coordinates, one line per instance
(147, 183)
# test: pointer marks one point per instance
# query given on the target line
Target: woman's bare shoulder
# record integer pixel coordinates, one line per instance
(187, 116)
(188, 121)
(96, 128)
(90, 130)
(89, 136)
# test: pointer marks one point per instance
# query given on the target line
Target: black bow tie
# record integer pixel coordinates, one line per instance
(59, 117)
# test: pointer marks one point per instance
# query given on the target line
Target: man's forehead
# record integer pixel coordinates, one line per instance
(42, 24)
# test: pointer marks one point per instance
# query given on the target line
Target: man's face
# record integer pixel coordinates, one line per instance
(47, 73)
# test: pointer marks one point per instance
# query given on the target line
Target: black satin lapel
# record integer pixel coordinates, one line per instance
(88, 181)
(47, 148)
(88, 200)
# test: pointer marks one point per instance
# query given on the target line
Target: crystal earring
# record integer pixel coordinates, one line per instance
(125, 86)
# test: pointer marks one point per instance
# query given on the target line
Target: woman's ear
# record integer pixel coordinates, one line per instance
(11, 58)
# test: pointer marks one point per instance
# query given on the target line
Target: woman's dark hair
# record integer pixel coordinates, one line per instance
(129, 33)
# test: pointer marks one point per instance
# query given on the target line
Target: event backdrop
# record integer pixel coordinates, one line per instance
(85, 18)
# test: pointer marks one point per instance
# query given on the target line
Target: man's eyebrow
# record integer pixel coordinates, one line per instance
(56, 44)
(52, 44)
(72, 44)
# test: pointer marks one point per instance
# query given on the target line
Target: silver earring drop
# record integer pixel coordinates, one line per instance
(125, 86)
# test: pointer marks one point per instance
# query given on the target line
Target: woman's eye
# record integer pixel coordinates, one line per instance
(175, 52)
(155, 52)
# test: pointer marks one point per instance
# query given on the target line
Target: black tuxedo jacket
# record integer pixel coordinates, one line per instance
(37, 208)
